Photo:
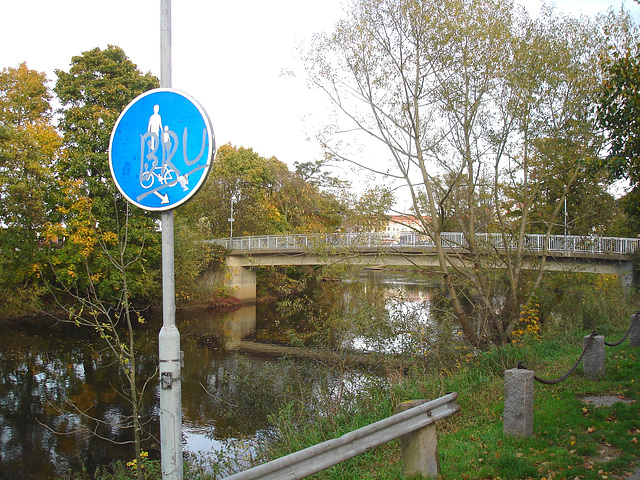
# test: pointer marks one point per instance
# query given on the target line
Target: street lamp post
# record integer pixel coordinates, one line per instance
(565, 222)
(231, 219)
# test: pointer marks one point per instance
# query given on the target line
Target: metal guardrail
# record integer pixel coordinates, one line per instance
(532, 242)
(314, 459)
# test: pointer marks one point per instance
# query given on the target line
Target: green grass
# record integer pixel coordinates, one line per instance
(571, 439)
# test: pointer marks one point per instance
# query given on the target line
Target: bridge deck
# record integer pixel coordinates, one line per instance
(587, 254)
(602, 255)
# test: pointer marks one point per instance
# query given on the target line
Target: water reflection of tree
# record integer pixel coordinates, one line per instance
(41, 371)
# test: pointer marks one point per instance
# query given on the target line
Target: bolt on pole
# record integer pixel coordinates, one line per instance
(169, 338)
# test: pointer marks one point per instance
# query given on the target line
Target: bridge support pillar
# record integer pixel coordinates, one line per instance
(625, 273)
(241, 280)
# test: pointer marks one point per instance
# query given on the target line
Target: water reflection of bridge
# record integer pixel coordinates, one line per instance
(240, 323)
(605, 255)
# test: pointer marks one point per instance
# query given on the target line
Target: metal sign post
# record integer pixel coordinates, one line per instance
(160, 153)
(169, 336)
(170, 363)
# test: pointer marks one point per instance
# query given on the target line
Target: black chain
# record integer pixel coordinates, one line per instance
(633, 321)
(566, 375)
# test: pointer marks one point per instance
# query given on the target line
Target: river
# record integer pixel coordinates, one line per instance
(55, 377)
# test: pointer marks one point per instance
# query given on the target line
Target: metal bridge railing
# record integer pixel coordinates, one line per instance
(532, 242)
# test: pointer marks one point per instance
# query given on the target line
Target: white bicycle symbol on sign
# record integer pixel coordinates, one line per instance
(153, 167)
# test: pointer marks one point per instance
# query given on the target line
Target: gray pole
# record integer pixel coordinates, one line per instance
(565, 222)
(231, 219)
(169, 337)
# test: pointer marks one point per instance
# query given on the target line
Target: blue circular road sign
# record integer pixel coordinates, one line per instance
(161, 149)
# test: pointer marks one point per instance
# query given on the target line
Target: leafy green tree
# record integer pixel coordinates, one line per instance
(590, 208)
(241, 180)
(315, 174)
(110, 255)
(619, 116)
(264, 195)
(306, 206)
(478, 94)
(556, 121)
(93, 93)
(29, 146)
(368, 211)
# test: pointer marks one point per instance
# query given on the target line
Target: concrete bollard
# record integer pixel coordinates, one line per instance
(518, 402)
(593, 360)
(419, 448)
(634, 335)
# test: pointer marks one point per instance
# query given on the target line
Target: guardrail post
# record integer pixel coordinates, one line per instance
(634, 334)
(419, 448)
(593, 360)
(518, 402)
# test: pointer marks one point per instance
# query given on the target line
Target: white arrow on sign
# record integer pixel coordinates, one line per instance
(163, 198)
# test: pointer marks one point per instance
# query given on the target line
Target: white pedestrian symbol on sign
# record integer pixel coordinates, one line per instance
(155, 124)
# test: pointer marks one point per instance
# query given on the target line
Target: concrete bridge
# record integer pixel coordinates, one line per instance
(605, 255)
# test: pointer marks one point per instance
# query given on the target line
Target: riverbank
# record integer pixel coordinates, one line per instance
(576, 435)
(290, 404)
(582, 429)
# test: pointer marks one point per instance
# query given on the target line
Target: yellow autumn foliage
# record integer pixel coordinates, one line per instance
(528, 324)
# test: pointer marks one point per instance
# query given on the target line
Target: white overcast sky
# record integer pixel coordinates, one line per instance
(229, 55)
